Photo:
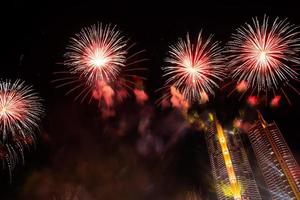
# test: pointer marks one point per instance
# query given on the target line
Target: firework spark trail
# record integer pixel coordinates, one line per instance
(262, 54)
(194, 67)
(20, 112)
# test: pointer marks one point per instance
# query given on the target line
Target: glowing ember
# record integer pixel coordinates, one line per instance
(252, 100)
(242, 86)
(275, 101)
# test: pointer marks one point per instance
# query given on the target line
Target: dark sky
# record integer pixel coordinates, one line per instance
(37, 33)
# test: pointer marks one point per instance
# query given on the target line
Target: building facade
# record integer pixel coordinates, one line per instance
(231, 170)
(280, 170)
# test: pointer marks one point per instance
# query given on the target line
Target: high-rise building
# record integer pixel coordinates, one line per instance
(279, 168)
(231, 170)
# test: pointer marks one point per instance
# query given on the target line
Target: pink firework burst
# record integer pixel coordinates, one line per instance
(263, 55)
(97, 53)
(99, 61)
(20, 109)
(20, 112)
(194, 67)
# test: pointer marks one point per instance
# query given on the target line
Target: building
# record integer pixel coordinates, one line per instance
(231, 170)
(280, 170)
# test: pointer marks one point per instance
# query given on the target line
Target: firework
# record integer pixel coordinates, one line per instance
(100, 61)
(97, 53)
(262, 55)
(194, 67)
(20, 112)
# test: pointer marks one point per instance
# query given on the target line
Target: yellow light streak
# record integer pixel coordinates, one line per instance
(235, 188)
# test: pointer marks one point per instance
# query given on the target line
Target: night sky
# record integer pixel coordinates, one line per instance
(78, 152)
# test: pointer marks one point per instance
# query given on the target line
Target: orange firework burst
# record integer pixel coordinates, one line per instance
(263, 54)
(194, 67)
(97, 53)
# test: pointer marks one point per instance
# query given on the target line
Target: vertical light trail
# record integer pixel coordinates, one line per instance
(235, 186)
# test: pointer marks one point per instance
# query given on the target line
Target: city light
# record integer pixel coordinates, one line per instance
(235, 187)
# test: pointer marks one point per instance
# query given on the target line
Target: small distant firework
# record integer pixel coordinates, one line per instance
(262, 56)
(98, 60)
(20, 112)
(194, 67)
